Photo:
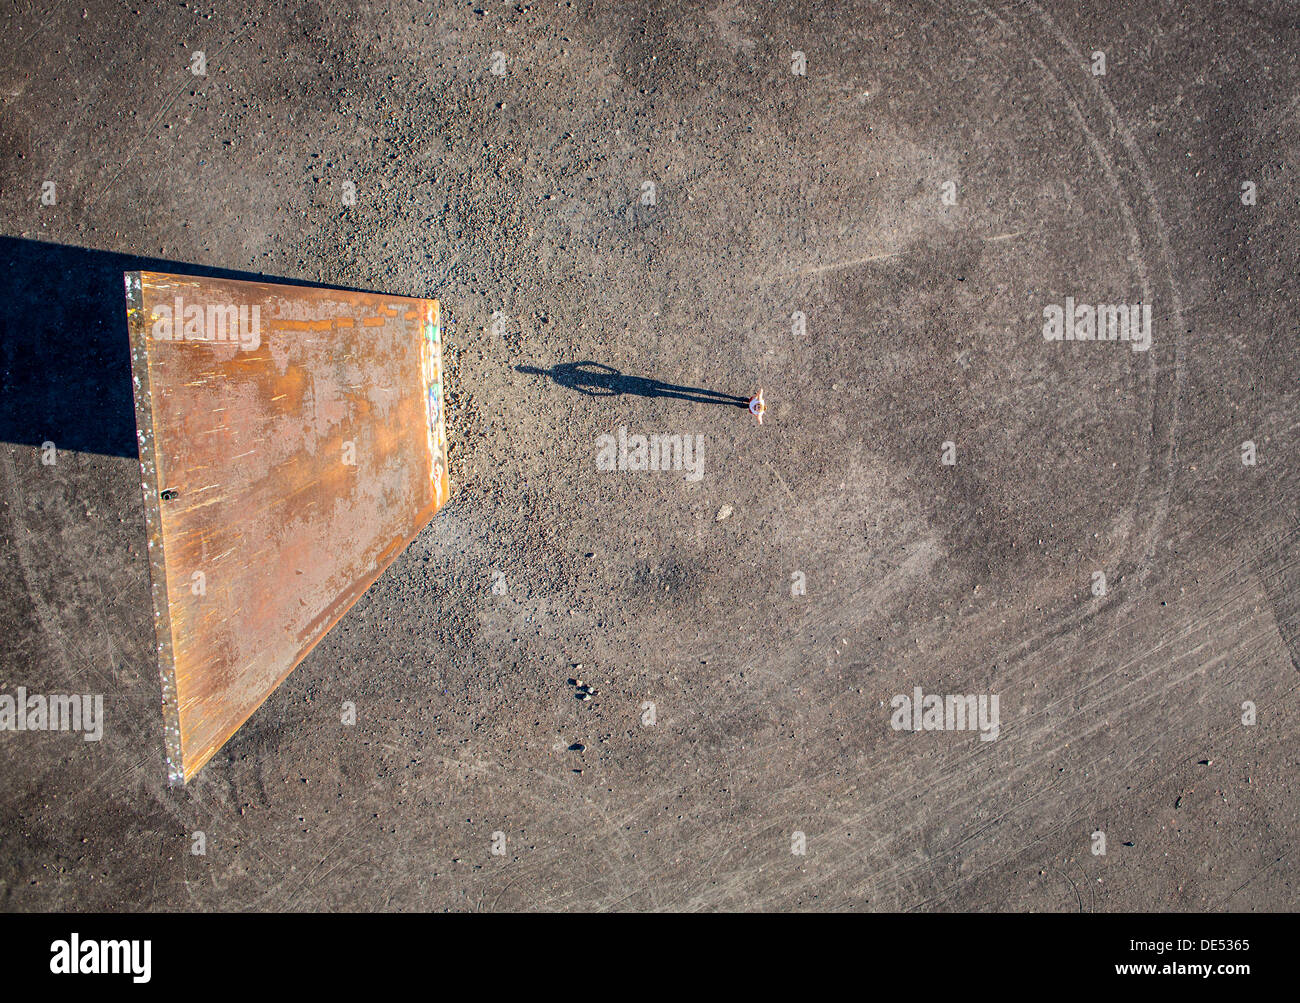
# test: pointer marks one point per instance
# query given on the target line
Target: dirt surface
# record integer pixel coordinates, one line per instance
(731, 715)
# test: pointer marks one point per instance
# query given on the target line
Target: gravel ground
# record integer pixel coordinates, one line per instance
(653, 188)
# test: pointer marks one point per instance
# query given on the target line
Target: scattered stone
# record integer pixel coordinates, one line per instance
(723, 513)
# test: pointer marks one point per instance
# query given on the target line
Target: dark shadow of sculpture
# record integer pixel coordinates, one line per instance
(65, 358)
(597, 380)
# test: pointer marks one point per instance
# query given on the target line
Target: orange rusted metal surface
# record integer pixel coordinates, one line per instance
(292, 444)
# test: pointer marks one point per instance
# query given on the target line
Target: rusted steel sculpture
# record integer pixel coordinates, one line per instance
(292, 444)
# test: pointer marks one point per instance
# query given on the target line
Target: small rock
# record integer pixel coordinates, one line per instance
(723, 513)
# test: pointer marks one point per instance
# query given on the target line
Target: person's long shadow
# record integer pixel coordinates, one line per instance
(65, 358)
(595, 379)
